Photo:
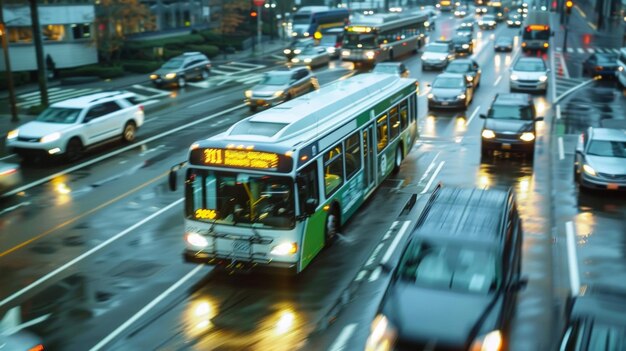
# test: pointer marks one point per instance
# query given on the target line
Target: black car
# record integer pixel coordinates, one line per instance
(504, 44)
(596, 321)
(466, 66)
(456, 284)
(465, 31)
(181, 69)
(451, 90)
(510, 125)
(463, 45)
(604, 65)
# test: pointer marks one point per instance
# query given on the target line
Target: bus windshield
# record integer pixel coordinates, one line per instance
(240, 199)
(301, 19)
(536, 34)
(356, 40)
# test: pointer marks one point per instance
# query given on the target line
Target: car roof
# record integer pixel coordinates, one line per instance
(88, 100)
(464, 214)
(512, 99)
(437, 44)
(502, 38)
(611, 134)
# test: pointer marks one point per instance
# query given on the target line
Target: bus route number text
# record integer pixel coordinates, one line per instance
(241, 158)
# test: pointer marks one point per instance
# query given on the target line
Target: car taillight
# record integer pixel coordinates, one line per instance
(337, 45)
(141, 108)
(36, 348)
(599, 68)
(8, 171)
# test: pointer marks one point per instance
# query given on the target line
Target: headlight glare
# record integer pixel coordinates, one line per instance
(491, 341)
(248, 93)
(196, 240)
(307, 60)
(382, 334)
(527, 136)
(488, 134)
(589, 170)
(514, 77)
(13, 134)
(465, 46)
(370, 54)
(278, 93)
(430, 96)
(50, 137)
(461, 96)
(345, 53)
(543, 78)
(286, 51)
(153, 76)
(170, 75)
(285, 249)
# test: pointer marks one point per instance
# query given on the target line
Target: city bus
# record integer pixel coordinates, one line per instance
(536, 31)
(276, 187)
(383, 37)
(499, 9)
(309, 21)
(444, 5)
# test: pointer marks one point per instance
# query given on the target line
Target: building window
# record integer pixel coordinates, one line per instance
(20, 35)
(81, 31)
(53, 32)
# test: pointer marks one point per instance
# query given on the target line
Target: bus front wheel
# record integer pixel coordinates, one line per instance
(332, 226)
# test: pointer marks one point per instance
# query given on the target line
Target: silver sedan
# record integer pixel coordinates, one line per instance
(312, 57)
(600, 161)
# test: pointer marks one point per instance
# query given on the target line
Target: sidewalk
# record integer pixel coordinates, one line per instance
(269, 48)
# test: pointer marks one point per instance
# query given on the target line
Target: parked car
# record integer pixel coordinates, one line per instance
(10, 176)
(312, 57)
(69, 127)
(463, 44)
(450, 90)
(181, 69)
(503, 43)
(332, 40)
(466, 66)
(279, 86)
(397, 68)
(600, 64)
(510, 125)
(529, 74)
(600, 161)
(456, 284)
(487, 22)
(437, 55)
(296, 47)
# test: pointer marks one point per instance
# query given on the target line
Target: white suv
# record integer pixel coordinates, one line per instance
(68, 127)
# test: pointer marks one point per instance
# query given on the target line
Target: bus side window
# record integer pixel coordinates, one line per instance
(353, 155)
(404, 115)
(308, 185)
(394, 123)
(333, 169)
(381, 133)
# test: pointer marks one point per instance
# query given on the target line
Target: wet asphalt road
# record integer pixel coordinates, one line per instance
(95, 247)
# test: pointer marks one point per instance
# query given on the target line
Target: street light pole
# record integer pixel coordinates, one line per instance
(259, 28)
(41, 67)
(7, 66)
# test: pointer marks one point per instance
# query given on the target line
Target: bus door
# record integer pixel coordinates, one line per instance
(369, 145)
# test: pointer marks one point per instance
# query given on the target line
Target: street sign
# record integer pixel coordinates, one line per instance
(258, 2)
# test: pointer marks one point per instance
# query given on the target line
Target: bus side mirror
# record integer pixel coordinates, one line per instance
(173, 175)
(310, 206)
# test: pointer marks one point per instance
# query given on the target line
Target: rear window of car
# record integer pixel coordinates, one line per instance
(59, 115)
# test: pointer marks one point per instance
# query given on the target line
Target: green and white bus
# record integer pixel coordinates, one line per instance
(276, 187)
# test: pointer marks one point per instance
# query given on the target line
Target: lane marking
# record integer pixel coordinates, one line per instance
(342, 339)
(574, 278)
(580, 50)
(561, 151)
(7, 157)
(564, 67)
(552, 74)
(395, 242)
(205, 101)
(375, 274)
(374, 254)
(432, 178)
(558, 111)
(43, 279)
(360, 276)
(430, 167)
(497, 81)
(474, 113)
(37, 93)
(590, 50)
(146, 309)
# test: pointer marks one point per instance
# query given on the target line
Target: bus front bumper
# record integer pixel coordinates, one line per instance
(237, 263)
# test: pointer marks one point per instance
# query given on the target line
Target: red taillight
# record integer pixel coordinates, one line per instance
(36, 348)
(8, 171)
(141, 108)
(599, 68)
(337, 45)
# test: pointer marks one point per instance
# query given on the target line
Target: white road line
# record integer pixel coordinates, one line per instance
(561, 150)
(432, 178)
(245, 64)
(159, 92)
(590, 50)
(395, 242)
(87, 253)
(497, 81)
(146, 309)
(37, 93)
(615, 51)
(372, 258)
(574, 278)
(580, 50)
(7, 157)
(564, 67)
(219, 72)
(342, 339)
(204, 102)
(570, 50)
(600, 50)
(360, 276)
(63, 94)
(472, 116)
(558, 111)
(375, 274)
(430, 167)
(122, 150)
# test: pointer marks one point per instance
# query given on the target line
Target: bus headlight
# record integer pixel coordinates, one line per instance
(514, 77)
(13, 134)
(197, 240)
(589, 170)
(488, 134)
(543, 78)
(527, 136)
(331, 50)
(295, 60)
(307, 60)
(345, 53)
(50, 137)
(287, 51)
(546, 45)
(370, 55)
(382, 334)
(297, 51)
(491, 341)
(430, 96)
(620, 68)
(285, 249)
(426, 24)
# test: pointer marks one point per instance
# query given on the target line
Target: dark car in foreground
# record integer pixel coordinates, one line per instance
(466, 66)
(510, 125)
(181, 69)
(600, 64)
(600, 161)
(596, 321)
(456, 284)
(450, 90)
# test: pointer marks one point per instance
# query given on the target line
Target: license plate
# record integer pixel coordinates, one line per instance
(159, 80)
(241, 246)
(444, 103)
(260, 102)
(612, 186)
(506, 146)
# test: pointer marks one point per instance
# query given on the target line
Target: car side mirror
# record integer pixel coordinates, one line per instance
(310, 206)
(172, 179)
(483, 116)
(540, 118)
(520, 283)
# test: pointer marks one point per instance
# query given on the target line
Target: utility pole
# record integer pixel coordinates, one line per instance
(259, 23)
(7, 66)
(41, 66)
(568, 11)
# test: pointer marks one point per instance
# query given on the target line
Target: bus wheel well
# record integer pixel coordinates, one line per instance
(399, 158)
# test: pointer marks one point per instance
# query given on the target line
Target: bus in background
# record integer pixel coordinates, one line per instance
(536, 31)
(383, 37)
(444, 5)
(331, 40)
(310, 21)
(499, 9)
(276, 187)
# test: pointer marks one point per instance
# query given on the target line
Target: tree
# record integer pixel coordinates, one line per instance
(115, 19)
(233, 13)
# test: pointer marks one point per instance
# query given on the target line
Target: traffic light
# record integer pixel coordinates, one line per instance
(568, 6)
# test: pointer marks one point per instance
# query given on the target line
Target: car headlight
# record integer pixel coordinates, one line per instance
(514, 77)
(295, 60)
(345, 53)
(488, 134)
(284, 249)
(278, 93)
(589, 170)
(170, 75)
(527, 136)
(370, 54)
(426, 24)
(196, 240)
(382, 334)
(470, 78)
(465, 46)
(307, 60)
(509, 22)
(153, 76)
(50, 137)
(13, 134)
(620, 68)
(297, 51)
(480, 23)
(331, 50)
(491, 341)
(430, 96)
(460, 96)
(543, 78)
(287, 51)
(248, 93)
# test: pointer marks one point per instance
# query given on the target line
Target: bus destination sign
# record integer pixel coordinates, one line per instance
(240, 158)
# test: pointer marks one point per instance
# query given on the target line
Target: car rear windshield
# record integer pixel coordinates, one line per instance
(607, 148)
(275, 79)
(510, 112)
(448, 83)
(529, 66)
(59, 115)
(459, 67)
(437, 48)
(449, 267)
(328, 39)
(607, 59)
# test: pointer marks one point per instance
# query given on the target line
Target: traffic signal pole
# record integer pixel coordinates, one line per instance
(568, 11)
(259, 28)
